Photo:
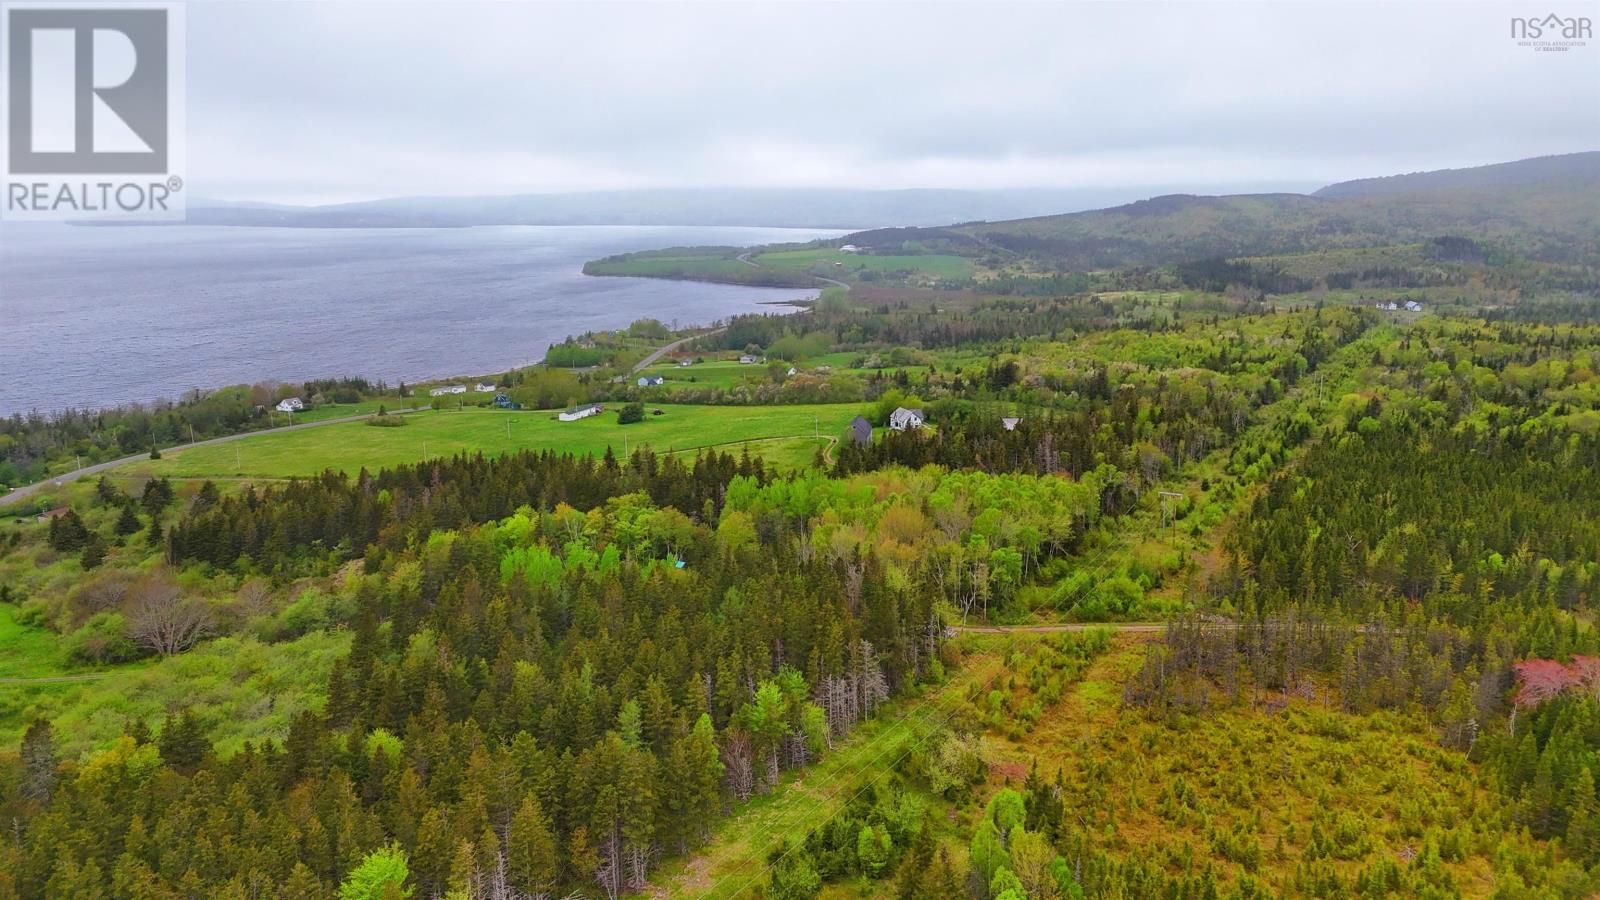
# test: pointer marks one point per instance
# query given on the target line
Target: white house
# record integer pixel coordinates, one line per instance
(581, 412)
(747, 359)
(850, 248)
(903, 418)
(1413, 306)
(448, 389)
(291, 405)
(1010, 423)
(483, 387)
(685, 362)
(651, 380)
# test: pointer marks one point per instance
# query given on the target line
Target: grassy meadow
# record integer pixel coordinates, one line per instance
(785, 435)
(821, 260)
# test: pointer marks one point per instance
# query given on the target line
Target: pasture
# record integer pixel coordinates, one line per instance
(823, 260)
(784, 435)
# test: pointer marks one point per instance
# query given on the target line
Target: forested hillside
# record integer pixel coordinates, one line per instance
(1188, 588)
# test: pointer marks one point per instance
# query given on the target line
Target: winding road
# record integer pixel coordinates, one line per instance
(656, 354)
(29, 490)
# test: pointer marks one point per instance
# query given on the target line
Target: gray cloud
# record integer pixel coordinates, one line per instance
(337, 101)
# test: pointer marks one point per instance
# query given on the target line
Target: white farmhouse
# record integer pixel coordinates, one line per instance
(484, 387)
(448, 389)
(903, 418)
(291, 405)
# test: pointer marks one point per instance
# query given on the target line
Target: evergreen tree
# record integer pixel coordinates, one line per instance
(183, 742)
(531, 850)
(1583, 822)
(67, 532)
(94, 552)
(127, 521)
(38, 761)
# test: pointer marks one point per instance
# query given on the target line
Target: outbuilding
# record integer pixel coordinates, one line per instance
(581, 412)
(860, 431)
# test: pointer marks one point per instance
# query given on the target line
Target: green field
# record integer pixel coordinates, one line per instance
(28, 651)
(712, 373)
(782, 434)
(939, 266)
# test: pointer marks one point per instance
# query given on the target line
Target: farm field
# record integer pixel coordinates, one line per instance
(821, 260)
(351, 446)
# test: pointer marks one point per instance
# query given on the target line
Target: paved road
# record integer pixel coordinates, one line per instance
(31, 489)
(663, 351)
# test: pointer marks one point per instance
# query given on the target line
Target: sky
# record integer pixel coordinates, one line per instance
(314, 102)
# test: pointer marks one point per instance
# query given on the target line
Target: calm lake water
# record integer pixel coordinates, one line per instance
(94, 317)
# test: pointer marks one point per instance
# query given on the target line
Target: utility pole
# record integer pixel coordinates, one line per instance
(191, 432)
(237, 466)
(1165, 496)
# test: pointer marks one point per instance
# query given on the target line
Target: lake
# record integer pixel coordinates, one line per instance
(100, 316)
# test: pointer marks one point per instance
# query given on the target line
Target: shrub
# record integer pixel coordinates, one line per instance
(103, 639)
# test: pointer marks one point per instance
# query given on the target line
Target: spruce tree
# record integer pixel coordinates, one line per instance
(127, 521)
(38, 761)
(531, 850)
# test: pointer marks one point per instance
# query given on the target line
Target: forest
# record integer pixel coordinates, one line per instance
(1158, 560)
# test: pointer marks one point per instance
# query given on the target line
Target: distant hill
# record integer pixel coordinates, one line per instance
(1569, 169)
(774, 207)
(1543, 208)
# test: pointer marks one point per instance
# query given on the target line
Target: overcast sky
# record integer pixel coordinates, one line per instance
(323, 102)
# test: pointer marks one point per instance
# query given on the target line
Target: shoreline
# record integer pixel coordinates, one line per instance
(798, 304)
(19, 492)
